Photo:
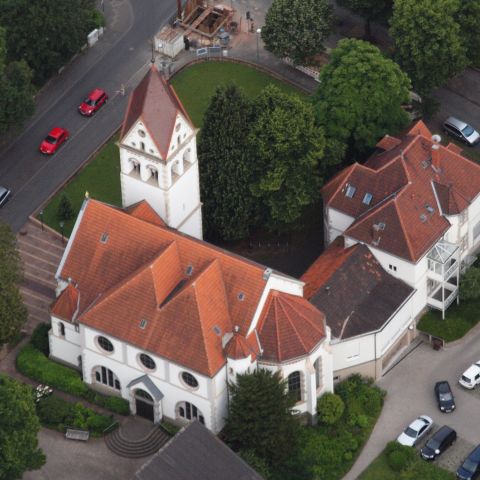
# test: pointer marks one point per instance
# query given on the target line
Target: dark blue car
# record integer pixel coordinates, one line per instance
(470, 468)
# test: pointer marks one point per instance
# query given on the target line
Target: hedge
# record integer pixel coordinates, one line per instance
(34, 364)
(58, 414)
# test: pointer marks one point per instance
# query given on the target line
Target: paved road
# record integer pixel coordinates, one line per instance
(410, 393)
(120, 57)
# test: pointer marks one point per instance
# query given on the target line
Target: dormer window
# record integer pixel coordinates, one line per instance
(350, 191)
(367, 198)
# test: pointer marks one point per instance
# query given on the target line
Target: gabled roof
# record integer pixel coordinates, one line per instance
(156, 104)
(357, 296)
(289, 327)
(188, 292)
(409, 194)
(66, 305)
(196, 453)
(145, 212)
(240, 347)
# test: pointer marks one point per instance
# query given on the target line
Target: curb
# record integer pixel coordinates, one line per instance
(454, 343)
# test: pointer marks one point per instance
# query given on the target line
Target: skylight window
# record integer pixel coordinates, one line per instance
(143, 323)
(241, 296)
(423, 218)
(350, 192)
(367, 198)
(189, 270)
(429, 208)
(425, 164)
(104, 237)
(217, 330)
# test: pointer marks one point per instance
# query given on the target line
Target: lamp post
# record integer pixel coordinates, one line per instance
(61, 229)
(259, 31)
(41, 218)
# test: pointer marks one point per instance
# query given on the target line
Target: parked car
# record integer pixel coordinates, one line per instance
(5, 195)
(439, 442)
(445, 398)
(54, 140)
(415, 431)
(470, 468)
(471, 376)
(461, 130)
(95, 100)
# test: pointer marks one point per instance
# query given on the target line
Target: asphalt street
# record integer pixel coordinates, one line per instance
(121, 57)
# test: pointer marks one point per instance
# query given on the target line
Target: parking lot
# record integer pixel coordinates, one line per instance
(410, 393)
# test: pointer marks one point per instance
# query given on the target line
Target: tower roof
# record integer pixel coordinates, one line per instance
(155, 103)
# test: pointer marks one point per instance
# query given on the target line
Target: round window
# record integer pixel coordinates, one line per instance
(189, 379)
(147, 361)
(177, 127)
(141, 133)
(105, 344)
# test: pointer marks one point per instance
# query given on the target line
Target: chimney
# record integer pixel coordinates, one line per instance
(436, 139)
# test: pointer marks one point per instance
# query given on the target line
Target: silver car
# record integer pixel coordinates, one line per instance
(5, 194)
(461, 130)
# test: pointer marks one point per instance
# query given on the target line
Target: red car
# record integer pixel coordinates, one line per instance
(93, 102)
(53, 140)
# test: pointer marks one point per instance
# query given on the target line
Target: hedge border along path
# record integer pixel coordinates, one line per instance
(35, 365)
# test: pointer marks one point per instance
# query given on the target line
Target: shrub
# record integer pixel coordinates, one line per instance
(54, 412)
(399, 457)
(40, 338)
(330, 408)
(34, 364)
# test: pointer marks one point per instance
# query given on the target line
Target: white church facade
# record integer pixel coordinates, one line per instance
(148, 311)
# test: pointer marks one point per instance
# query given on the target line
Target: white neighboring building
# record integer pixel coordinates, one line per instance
(416, 205)
(158, 155)
(164, 320)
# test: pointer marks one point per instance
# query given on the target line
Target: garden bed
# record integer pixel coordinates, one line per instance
(35, 365)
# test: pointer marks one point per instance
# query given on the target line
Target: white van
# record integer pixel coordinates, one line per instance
(471, 376)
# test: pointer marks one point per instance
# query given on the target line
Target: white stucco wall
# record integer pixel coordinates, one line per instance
(335, 223)
(66, 348)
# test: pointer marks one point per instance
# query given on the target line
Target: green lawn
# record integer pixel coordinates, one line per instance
(419, 469)
(459, 319)
(196, 84)
(101, 178)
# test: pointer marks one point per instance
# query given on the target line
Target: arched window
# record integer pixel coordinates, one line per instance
(61, 329)
(106, 377)
(136, 165)
(189, 379)
(143, 395)
(295, 386)
(317, 365)
(187, 156)
(153, 172)
(189, 411)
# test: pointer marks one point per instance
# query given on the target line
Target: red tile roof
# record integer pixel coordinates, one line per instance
(404, 203)
(239, 347)
(128, 269)
(155, 103)
(289, 327)
(145, 212)
(66, 304)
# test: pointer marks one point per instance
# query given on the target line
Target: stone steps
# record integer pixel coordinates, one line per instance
(142, 447)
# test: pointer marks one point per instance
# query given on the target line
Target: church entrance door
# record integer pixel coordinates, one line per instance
(144, 404)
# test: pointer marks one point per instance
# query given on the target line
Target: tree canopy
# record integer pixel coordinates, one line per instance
(46, 34)
(260, 418)
(297, 28)
(359, 98)
(19, 426)
(470, 284)
(467, 18)
(13, 313)
(225, 167)
(16, 90)
(428, 41)
(368, 9)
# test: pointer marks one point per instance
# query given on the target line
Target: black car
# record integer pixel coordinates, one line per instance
(438, 443)
(445, 399)
(470, 468)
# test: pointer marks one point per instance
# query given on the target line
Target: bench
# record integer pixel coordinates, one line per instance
(76, 434)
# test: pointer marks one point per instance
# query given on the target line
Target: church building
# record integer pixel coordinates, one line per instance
(148, 311)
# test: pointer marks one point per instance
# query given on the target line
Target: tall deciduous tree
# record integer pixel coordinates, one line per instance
(225, 167)
(286, 148)
(13, 313)
(46, 34)
(470, 284)
(260, 418)
(468, 19)
(428, 42)
(359, 98)
(297, 28)
(368, 9)
(19, 426)
(16, 90)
